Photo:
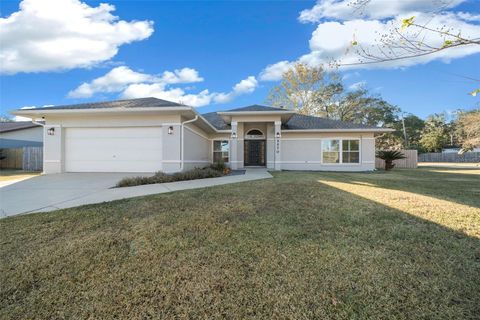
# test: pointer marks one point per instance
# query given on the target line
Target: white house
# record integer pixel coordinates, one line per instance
(149, 134)
(20, 134)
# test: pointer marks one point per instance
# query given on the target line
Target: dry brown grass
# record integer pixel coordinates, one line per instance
(399, 245)
(10, 175)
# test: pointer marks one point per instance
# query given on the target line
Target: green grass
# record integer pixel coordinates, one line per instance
(399, 245)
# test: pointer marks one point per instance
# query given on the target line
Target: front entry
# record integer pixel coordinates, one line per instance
(254, 153)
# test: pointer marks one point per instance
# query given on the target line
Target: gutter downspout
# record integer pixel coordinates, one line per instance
(43, 143)
(182, 151)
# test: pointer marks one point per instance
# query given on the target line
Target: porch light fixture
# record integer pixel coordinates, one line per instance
(234, 134)
(51, 131)
(170, 130)
(278, 134)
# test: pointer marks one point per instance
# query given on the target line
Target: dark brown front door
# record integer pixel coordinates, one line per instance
(254, 153)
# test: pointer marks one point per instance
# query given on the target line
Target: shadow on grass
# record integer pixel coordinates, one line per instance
(452, 184)
(294, 248)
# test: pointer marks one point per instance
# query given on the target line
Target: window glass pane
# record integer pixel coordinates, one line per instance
(331, 157)
(354, 145)
(224, 146)
(331, 145)
(351, 157)
(217, 145)
(220, 151)
(220, 145)
(350, 145)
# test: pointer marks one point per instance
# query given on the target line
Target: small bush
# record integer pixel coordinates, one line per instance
(161, 177)
(219, 166)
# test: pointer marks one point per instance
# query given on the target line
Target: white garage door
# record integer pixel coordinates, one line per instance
(128, 149)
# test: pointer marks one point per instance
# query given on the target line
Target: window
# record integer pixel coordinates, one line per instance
(220, 151)
(331, 151)
(254, 134)
(350, 151)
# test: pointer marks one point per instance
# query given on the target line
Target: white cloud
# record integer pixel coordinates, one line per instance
(274, 71)
(115, 80)
(350, 75)
(368, 33)
(373, 9)
(357, 85)
(200, 99)
(131, 84)
(120, 78)
(325, 49)
(185, 75)
(46, 35)
(245, 86)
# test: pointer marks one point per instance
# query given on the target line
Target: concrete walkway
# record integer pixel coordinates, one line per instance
(60, 191)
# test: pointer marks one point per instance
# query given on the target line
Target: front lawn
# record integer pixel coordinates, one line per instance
(399, 245)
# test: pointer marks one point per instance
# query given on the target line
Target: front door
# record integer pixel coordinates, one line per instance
(254, 153)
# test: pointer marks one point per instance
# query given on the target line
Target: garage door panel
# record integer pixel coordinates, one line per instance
(132, 149)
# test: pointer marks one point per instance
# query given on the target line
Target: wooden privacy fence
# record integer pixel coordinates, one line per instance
(410, 162)
(449, 157)
(26, 158)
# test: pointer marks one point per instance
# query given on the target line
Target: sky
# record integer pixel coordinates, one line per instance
(218, 55)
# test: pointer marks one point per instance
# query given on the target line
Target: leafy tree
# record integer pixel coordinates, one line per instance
(468, 129)
(435, 134)
(312, 91)
(302, 87)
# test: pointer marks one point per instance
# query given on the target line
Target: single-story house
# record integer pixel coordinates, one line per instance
(149, 134)
(20, 134)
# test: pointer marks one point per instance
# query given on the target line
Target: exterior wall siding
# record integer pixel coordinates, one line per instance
(198, 152)
(30, 134)
(303, 151)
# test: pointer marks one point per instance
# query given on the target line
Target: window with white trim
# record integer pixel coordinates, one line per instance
(341, 151)
(220, 150)
(350, 151)
(331, 151)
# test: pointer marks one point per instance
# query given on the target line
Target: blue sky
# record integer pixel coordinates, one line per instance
(223, 43)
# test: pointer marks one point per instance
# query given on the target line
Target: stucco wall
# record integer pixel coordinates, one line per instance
(303, 151)
(197, 149)
(30, 134)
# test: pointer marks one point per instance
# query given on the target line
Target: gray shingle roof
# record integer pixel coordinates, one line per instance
(215, 120)
(18, 125)
(129, 103)
(256, 107)
(296, 122)
(304, 122)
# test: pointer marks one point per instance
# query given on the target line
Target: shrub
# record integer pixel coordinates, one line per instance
(219, 166)
(161, 177)
(389, 156)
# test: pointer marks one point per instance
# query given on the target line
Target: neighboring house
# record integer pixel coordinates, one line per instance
(20, 134)
(149, 134)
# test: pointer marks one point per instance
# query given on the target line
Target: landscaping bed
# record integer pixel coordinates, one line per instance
(213, 171)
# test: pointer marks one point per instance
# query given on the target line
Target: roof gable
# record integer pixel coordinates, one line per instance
(18, 125)
(256, 107)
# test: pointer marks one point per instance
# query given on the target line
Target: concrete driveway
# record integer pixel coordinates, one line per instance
(49, 192)
(66, 190)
